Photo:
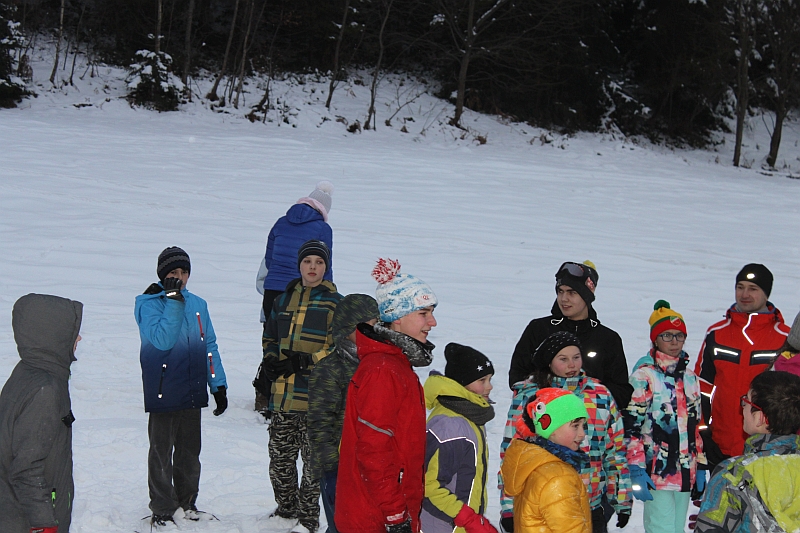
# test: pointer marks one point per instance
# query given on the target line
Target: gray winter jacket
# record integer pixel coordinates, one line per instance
(36, 488)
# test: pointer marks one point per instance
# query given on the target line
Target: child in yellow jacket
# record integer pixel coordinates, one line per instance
(541, 470)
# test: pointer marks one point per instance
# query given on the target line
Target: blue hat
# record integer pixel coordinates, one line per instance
(399, 294)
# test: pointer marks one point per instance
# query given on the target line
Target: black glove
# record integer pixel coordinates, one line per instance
(507, 523)
(263, 380)
(298, 361)
(172, 288)
(622, 519)
(402, 527)
(221, 397)
(271, 367)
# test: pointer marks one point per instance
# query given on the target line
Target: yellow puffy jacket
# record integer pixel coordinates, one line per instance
(549, 495)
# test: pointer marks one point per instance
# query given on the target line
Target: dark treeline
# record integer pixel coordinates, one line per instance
(671, 70)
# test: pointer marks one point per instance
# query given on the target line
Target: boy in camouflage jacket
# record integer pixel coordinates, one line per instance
(327, 393)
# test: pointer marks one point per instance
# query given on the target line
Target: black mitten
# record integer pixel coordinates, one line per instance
(221, 397)
(623, 518)
(507, 523)
(263, 380)
(172, 289)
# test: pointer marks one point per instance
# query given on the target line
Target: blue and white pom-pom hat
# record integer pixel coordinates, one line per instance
(399, 294)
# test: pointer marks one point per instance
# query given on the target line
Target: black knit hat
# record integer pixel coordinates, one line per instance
(758, 274)
(550, 347)
(170, 259)
(351, 311)
(314, 247)
(581, 277)
(465, 364)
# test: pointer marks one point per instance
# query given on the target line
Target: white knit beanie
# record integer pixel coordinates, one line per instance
(399, 294)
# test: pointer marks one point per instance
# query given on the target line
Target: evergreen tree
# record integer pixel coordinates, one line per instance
(12, 88)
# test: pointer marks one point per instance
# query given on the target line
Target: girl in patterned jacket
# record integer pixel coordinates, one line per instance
(557, 362)
(662, 421)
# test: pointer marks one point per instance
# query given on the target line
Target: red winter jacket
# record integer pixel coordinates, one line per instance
(735, 351)
(382, 451)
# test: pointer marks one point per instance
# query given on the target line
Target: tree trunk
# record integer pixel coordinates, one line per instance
(58, 43)
(469, 41)
(371, 114)
(240, 83)
(77, 40)
(339, 39)
(212, 94)
(188, 44)
(743, 78)
(775, 139)
(158, 28)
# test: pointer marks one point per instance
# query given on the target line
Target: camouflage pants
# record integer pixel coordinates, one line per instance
(287, 437)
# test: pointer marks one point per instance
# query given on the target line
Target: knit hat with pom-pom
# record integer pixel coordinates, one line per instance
(399, 294)
(548, 410)
(320, 198)
(663, 318)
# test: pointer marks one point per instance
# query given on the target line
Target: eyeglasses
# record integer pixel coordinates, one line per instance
(744, 400)
(680, 337)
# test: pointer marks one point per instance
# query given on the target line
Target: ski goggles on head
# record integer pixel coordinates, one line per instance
(577, 270)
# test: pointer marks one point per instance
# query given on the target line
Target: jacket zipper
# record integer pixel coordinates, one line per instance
(211, 365)
(161, 381)
(200, 324)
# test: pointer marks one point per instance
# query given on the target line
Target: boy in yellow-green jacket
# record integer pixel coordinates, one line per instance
(455, 452)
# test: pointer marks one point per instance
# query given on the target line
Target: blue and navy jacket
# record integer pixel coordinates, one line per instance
(179, 353)
(300, 224)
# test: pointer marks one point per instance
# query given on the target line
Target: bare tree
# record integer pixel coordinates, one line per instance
(465, 36)
(246, 48)
(58, 42)
(381, 48)
(212, 94)
(159, 21)
(188, 44)
(780, 20)
(335, 71)
(743, 21)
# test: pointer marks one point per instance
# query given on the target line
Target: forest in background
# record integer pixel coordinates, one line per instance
(674, 71)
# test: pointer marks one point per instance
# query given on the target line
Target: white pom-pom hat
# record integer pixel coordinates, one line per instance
(399, 294)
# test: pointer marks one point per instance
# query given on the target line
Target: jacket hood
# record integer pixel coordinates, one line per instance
(302, 213)
(45, 330)
(592, 320)
(773, 470)
(439, 385)
(520, 460)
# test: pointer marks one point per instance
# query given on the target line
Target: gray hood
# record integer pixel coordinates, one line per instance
(45, 330)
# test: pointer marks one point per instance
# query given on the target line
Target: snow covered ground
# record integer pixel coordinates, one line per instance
(92, 190)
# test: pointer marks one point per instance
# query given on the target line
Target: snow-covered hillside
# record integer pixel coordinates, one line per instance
(92, 190)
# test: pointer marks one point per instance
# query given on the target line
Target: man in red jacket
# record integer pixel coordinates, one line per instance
(380, 483)
(735, 350)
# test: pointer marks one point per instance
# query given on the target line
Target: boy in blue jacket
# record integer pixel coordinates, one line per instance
(179, 357)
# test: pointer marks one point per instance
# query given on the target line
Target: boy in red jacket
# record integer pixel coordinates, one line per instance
(382, 455)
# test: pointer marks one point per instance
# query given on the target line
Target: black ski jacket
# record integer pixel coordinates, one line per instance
(601, 347)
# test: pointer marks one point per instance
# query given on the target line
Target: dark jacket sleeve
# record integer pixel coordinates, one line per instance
(522, 358)
(325, 402)
(34, 432)
(616, 380)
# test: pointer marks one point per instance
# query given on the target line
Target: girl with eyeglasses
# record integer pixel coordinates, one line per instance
(662, 421)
